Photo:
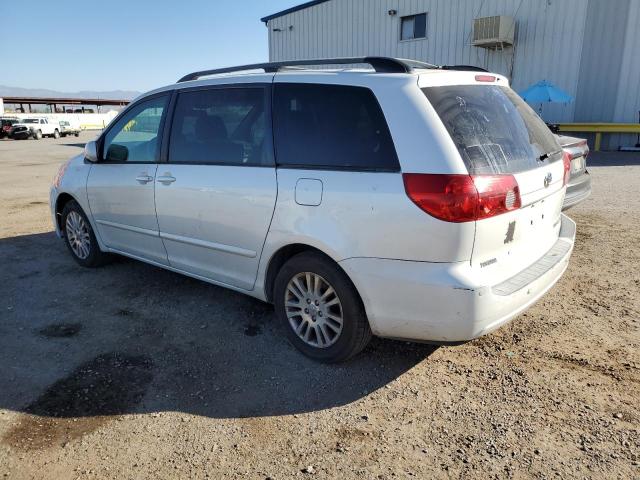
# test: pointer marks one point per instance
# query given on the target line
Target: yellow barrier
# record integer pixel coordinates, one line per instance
(599, 129)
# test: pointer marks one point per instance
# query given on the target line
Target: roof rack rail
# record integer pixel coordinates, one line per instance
(379, 64)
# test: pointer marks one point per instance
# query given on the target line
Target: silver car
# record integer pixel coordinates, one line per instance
(407, 200)
(579, 185)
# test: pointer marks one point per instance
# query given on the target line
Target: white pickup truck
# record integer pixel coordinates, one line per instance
(35, 127)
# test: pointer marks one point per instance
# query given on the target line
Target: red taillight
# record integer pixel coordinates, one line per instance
(463, 198)
(566, 161)
(485, 78)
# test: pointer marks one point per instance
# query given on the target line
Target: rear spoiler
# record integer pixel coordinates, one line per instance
(466, 68)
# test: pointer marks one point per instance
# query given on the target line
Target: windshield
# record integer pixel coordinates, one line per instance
(494, 130)
(30, 120)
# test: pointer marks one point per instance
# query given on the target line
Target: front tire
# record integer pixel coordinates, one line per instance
(77, 134)
(79, 237)
(56, 134)
(320, 309)
(38, 135)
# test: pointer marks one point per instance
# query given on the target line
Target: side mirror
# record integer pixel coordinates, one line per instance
(91, 152)
(117, 153)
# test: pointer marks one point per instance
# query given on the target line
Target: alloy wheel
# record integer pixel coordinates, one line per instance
(313, 309)
(77, 232)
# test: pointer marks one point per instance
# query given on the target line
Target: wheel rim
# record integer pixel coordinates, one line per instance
(77, 232)
(314, 310)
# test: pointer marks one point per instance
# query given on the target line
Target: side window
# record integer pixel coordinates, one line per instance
(134, 137)
(222, 126)
(331, 126)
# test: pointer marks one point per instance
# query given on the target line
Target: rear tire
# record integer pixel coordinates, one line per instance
(79, 237)
(77, 134)
(320, 309)
(56, 134)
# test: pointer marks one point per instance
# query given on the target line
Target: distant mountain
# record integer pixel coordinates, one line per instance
(43, 92)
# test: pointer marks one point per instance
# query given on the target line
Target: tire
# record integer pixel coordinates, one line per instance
(77, 134)
(38, 135)
(340, 343)
(89, 255)
(56, 134)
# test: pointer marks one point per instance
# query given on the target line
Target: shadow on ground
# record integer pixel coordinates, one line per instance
(613, 159)
(77, 145)
(79, 346)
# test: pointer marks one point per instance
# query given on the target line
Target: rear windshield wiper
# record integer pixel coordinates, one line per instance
(544, 156)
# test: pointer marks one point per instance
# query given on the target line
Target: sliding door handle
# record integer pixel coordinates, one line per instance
(166, 179)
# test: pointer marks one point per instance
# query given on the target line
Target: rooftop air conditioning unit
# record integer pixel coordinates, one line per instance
(494, 32)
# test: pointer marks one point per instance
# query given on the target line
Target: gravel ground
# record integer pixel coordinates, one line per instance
(130, 371)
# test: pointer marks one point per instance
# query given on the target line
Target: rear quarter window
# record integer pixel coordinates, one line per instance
(494, 130)
(331, 126)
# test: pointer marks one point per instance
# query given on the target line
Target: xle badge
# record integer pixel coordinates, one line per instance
(510, 231)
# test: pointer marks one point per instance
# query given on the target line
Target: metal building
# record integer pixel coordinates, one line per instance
(589, 48)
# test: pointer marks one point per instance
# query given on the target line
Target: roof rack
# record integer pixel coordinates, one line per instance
(379, 64)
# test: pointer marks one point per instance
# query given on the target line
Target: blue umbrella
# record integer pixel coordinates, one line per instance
(545, 92)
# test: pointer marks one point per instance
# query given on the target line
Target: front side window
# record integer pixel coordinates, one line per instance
(135, 137)
(331, 126)
(221, 126)
(494, 130)
(413, 26)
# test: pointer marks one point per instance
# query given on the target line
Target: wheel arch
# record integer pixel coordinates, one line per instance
(63, 199)
(283, 254)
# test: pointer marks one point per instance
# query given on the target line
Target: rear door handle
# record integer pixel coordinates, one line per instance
(166, 179)
(144, 178)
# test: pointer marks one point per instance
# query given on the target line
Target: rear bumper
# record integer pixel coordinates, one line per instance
(578, 189)
(448, 302)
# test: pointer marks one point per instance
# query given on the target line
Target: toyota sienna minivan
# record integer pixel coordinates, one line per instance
(403, 200)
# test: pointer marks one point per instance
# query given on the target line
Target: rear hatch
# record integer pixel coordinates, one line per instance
(500, 137)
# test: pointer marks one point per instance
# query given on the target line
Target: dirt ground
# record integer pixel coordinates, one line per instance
(130, 371)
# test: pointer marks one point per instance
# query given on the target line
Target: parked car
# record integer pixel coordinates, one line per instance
(579, 186)
(5, 125)
(36, 128)
(67, 129)
(409, 202)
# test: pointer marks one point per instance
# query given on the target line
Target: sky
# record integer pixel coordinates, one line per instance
(73, 45)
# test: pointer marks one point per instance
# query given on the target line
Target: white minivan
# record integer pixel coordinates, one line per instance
(403, 200)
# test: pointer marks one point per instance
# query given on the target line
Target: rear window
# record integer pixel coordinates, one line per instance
(331, 126)
(494, 130)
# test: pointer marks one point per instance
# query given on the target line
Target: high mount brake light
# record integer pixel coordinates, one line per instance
(485, 78)
(463, 198)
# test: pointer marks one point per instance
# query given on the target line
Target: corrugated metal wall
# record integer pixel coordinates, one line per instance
(628, 101)
(549, 33)
(597, 87)
(549, 40)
